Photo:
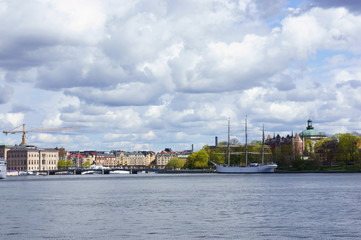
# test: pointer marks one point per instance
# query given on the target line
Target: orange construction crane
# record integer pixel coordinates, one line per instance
(23, 141)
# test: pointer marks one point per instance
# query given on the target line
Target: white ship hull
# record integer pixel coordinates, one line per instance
(267, 168)
(2, 168)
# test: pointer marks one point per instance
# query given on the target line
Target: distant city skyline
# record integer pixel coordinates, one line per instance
(149, 75)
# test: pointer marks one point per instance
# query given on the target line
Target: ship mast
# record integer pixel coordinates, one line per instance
(263, 145)
(228, 146)
(246, 145)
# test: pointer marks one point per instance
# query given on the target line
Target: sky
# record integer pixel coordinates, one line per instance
(153, 74)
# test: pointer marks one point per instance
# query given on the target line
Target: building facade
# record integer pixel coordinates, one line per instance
(294, 143)
(30, 158)
(105, 159)
(3, 150)
(311, 134)
(295, 146)
(163, 157)
(135, 159)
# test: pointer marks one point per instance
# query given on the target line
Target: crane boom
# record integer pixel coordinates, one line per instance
(24, 131)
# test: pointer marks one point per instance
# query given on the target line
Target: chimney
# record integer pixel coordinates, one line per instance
(216, 141)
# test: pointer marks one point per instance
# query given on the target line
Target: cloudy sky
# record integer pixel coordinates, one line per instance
(151, 74)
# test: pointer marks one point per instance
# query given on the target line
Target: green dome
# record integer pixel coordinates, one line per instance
(310, 132)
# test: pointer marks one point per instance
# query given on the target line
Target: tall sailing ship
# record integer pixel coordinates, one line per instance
(249, 167)
(2, 168)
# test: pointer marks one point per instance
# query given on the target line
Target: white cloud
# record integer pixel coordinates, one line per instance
(12, 119)
(137, 74)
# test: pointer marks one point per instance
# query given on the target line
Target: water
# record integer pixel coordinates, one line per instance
(185, 206)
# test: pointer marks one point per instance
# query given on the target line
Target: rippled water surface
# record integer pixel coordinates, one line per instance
(184, 206)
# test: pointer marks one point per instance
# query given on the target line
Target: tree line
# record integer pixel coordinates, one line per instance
(219, 155)
(340, 151)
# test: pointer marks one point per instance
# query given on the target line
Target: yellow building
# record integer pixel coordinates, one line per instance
(135, 159)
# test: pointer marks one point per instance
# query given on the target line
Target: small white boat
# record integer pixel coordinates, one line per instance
(2, 168)
(12, 173)
(119, 172)
(90, 172)
(99, 167)
(26, 173)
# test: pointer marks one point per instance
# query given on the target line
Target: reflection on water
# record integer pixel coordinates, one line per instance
(185, 206)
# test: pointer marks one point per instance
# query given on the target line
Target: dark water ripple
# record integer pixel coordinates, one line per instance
(199, 206)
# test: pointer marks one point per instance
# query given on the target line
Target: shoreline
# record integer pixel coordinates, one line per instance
(211, 171)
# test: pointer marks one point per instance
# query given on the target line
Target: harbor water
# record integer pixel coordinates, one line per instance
(181, 206)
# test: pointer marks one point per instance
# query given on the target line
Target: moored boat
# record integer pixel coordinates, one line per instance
(250, 167)
(90, 172)
(99, 167)
(119, 172)
(2, 168)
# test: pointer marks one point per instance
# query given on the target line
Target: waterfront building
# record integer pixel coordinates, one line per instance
(311, 134)
(291, 145)
(163, 157)
(3, 150)
(63, 153)
(297, 142)
(90, 158)
(31, 158)
(78, 159)
(105, 159)
(121, 158)
(135, 159)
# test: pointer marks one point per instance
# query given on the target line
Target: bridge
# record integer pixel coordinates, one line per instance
(82, 171)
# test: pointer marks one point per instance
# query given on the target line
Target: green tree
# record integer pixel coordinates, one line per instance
(65, 164)
(61, 164)
(86, 164)
(325, 151)
(197, 160)
(69, 163)
(175, 163)
(347, 148)
(308, 147)
(216, 155)
(283, 155)
(255, 150)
